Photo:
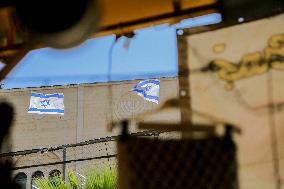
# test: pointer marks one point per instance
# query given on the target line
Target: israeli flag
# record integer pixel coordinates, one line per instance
(148, 89)
(47, 103)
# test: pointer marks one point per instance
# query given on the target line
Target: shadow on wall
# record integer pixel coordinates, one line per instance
(6, 115)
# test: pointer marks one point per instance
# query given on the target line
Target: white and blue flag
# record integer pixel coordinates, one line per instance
(47, 103)
(148, 89)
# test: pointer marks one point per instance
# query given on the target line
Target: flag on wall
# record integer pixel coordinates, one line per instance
(47, 103)
(148, 89)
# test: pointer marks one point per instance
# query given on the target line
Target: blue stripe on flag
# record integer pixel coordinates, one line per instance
(145, 95)
(156, 82)
(40, 95)
(46, 110)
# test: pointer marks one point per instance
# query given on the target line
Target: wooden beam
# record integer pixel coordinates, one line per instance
(13, 61)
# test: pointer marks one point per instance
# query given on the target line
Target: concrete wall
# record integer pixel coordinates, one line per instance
(87, 111)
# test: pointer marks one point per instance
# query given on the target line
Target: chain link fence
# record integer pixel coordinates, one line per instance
(204, 160)
(148, 159)
(97, 154)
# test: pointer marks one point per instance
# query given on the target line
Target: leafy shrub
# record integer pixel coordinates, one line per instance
(73, 180)
(101, 180)
(105, 179)
(53, 183)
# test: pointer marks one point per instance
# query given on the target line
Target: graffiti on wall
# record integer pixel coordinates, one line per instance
(251, 64)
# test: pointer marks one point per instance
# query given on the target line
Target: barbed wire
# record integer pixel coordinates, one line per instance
(88, 142)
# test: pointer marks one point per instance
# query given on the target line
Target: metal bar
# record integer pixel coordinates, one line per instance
(177, 127)
(12, 62)
(11, 47)
(64, 162)
(273, 131)
(183, 79)
(159, 17)
(94, 141)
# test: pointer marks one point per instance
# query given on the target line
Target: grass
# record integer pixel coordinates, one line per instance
(54, 183)
(105, 179)
(74, 184)
(101, 180)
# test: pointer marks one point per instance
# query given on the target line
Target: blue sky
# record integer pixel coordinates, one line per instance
(151, 53)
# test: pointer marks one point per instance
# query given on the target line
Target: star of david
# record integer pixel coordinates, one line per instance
(45, 103)
(147, 88)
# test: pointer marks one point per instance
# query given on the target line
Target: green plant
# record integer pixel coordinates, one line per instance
(52, 183)
(105, 179)
(73, 180)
